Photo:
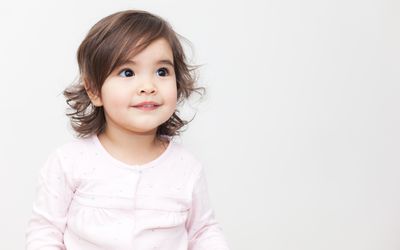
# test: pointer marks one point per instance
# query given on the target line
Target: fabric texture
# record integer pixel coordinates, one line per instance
(88, 200)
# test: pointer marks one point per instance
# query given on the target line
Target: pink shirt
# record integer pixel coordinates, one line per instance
(88, 200)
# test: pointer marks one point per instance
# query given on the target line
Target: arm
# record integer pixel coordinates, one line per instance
(204, 232)
(54, 193)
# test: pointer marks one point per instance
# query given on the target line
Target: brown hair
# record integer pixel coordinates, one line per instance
(104, 49)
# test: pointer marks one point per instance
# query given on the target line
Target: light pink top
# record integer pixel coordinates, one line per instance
(86, 199)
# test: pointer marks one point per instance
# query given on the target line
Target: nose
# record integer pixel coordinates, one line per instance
(147, 88)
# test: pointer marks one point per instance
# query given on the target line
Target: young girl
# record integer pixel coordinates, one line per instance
(123, 183)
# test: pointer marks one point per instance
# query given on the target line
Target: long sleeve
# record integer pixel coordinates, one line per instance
(204, 231)
(54, 193)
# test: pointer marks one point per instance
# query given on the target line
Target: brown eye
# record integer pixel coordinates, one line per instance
(126, 73)
(162, 72)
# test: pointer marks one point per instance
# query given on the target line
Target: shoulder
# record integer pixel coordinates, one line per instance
(186, 157)
(74, 148)
(70, 156)
(75, 144)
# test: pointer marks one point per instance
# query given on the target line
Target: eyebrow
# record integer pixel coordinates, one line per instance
(162, 61)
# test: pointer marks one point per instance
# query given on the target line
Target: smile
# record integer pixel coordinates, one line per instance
(147, 107)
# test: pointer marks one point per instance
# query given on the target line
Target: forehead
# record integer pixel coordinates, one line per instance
(158, 49)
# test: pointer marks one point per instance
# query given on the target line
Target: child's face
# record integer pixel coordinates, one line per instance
(150, 77)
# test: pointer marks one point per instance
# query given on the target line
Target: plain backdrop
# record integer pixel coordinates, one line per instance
(299, 130)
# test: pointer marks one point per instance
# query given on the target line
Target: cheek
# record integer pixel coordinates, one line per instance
(113, 97)
(172, 97)
(170, 94)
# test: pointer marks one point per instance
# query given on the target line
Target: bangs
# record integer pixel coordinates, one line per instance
(134, 38)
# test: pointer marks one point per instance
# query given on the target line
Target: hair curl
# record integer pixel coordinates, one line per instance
(104, 49)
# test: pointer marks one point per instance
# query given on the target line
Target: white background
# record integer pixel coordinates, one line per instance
(299, 131)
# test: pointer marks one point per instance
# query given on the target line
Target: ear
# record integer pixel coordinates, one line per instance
(95, 99)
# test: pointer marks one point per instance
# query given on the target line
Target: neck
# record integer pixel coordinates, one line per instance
(132, 141)
(131, 147)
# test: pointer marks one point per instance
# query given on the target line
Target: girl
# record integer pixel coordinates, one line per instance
(123, 183)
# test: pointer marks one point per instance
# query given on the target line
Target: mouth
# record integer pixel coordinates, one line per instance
(146, 106)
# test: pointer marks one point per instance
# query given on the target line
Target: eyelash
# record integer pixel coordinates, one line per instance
(127, 69)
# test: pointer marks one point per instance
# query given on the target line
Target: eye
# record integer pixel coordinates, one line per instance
(162, 72)
(126, 73)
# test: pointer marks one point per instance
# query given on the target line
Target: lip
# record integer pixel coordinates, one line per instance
(144, 105)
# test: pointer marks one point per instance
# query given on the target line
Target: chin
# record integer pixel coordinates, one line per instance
(144, 130)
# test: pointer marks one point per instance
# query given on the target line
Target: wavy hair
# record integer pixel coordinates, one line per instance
(104, 49)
